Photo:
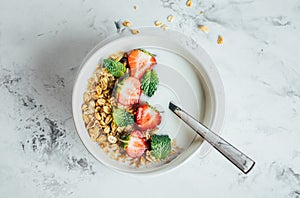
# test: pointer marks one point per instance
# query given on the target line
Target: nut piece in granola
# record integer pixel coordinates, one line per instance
(106, 130)
(101, 138)
(94, 133)
(117, 56)
(97, 116)
(106, 109)
(101, 101)
(112, 139)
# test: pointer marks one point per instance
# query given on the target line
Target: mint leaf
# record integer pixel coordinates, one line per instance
(122, 117)
(160, 146)
(150, 82)
(116, 68)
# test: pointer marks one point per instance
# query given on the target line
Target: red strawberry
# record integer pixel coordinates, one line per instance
(139, 61)
(135, 144)
(147, 117)
(129, 91)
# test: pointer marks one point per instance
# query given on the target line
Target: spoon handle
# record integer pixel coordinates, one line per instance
(239, 159)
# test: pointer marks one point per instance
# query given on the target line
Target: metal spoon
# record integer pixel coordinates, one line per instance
(239, 159)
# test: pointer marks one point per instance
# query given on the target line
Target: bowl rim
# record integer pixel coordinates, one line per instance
(217, 92)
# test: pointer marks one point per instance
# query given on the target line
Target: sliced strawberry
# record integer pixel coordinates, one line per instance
(147, 117)
(136, 144)
(129, 91)
(139, 61)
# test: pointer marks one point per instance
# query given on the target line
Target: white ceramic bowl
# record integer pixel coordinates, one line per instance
(188, 77)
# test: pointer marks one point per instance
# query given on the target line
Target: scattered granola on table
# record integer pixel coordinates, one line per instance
(220, 40)
(204, 28)
(126, 23)
(164, 27)
(135, 31)
(124, 127)
(189, 3)
(170, 18)
(158, 23)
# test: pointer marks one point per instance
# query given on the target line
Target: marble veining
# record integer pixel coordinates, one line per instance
(42, 45)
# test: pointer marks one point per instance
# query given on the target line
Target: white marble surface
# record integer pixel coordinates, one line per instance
(42, 44)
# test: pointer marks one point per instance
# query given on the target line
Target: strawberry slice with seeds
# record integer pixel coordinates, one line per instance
(147, 117)
(129, 91)
(135, 144)
(139, 61)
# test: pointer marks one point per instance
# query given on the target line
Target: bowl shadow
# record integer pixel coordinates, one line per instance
(56, 68)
